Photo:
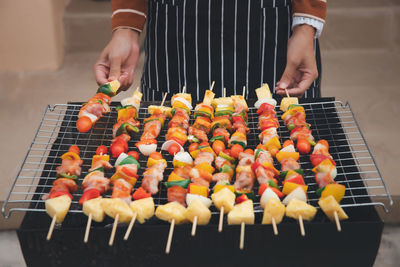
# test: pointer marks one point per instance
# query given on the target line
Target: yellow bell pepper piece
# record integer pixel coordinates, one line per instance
(219, 187)
(70, 155)
(174, 177)
(179, 135)
(194, 153)
(290, 173)
(281, 155)
(208, 149)
(288, 187)
(120, 175)
(198, 190)
(270, 166)
(325, 166)
(292, 111)
(151, 162)
(273, 142)
(100, 157)
(206, 167)
(336, 190)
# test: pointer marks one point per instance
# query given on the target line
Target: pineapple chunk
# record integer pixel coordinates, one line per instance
(329, 205)
(273, 209)
(197, 208)
(224, 198)
(242, 212)
(287, 101)
(240, 99)
(93, 206)
(222, 101)
(58, 207)
(208, 98)
(144, 208)
(114, 85)
(263, 92)
(171, 210)
(114, 206)
(295, 208)
(166, 110)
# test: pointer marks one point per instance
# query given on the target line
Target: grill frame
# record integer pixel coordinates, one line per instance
(58, 123)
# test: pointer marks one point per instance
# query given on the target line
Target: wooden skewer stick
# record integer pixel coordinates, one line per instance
(53, 223)
(287, 93)
(184, 90)
(244, 91)
(194, 226)
(303, 233)
(241, 245)
(224, 92)
(221, 219)
(170, 234)
(274, 226)
(89, 222)
(338, 226)
(212, 86)
(114, 229)
(132, 222)
(165, 96)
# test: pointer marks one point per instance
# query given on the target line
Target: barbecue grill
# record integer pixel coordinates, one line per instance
(332, 120)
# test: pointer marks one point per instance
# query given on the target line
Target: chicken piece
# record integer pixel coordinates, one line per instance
(200, 134)
(114, 206)
(244, 180)
(242, 212)
(101, 163)
(329, 205)
(204, 157)
(171, 211)
(71, 166)
(122, 190)
(144, 209)
(265, 156)
(221, 176)
(264, 175)
(224, 198)
(289, 164)
(177, 194)
(150, 184)
(58, 207)
(96, 180)
(93, 206)
(92, 109)
(273, 209)
(183, 172)
(197, 208)
(64, 184)
(151, 130)
(220, 161)
(245, 161)
(295, 208)
(267, 135)
(156, 173)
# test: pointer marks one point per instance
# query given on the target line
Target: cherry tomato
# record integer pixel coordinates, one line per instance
(101, 150)
(173, 149)
(155, 155)
(135, 154)
(228, 152)
(193, 147)
(218, 146)
(75, 149)
(324, 143)
(236, 149)
(84, 124)
(204, 144)
(288, 143)
(249, 151)
(303, 146)
(117, 149)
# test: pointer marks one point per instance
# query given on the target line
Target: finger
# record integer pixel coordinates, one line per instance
(101, 72)
(124, 80)
(115, 68)
(287, 76)
(296, 91)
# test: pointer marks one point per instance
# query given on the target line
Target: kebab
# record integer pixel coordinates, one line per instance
(94, 185)
(152, 128)
(97, 106)
(295, 120)
(126, 124)
(59, 199)
(329, 191)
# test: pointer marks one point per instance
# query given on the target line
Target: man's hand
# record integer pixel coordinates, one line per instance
(118, 59)
(301, 68)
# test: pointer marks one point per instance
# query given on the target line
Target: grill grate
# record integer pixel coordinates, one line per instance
(330, 120)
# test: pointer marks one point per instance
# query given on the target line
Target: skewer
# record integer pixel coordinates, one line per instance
(194, 226)
(184, 90)
(221, 219)
(224, 92)
(53, 223)
(274, 226)
(244, 91)
(212, 86)
(303, 233)
(165, 96)
(287, 93)
(338, 226)
(89, 222)
(114, 229)
(132, 222)
(241, 245)
(170, 234)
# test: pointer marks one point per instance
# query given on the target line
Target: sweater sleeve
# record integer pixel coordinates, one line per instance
(128, 14)
(314, 9)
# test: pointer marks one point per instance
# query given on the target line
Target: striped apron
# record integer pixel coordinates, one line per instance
(236, 43)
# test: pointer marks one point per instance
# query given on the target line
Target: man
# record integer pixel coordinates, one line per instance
(236, 43)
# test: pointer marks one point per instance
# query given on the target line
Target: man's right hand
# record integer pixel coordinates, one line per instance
(118, 59)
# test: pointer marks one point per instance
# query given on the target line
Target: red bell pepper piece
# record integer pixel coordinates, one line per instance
(263, 187)
(318, 158)
(88, 195)
(241, 198)
(140, 193)
(129, 172)
(255, 165)
(237, 119)
(298, 179)
(264, 107)
(179, 141)
(59, 193)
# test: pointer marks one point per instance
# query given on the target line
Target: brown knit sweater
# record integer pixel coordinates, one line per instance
(132, 13)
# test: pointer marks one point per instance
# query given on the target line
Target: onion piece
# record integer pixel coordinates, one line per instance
(147, 149)
(298, 194)
(270, 101)
(121, 157)
(92, 117)
(191, 197)
(184, 101)
(183, 157)
(289, 148)
(267, 195)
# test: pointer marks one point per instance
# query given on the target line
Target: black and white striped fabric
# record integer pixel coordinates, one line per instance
(235, 43)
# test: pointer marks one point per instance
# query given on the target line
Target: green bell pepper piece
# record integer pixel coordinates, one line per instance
(218, 137)
(101, 169)
(65, 175)
(250, 195)
(227, 157)
(243, 144)
(130, 160)
(282, 175)
(319, 191)
(193, 139)
(182, 183)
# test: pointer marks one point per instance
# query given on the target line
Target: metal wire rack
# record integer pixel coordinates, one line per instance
(330, 120)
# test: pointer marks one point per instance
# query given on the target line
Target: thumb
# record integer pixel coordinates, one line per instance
(287, 76)
(115, 68)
